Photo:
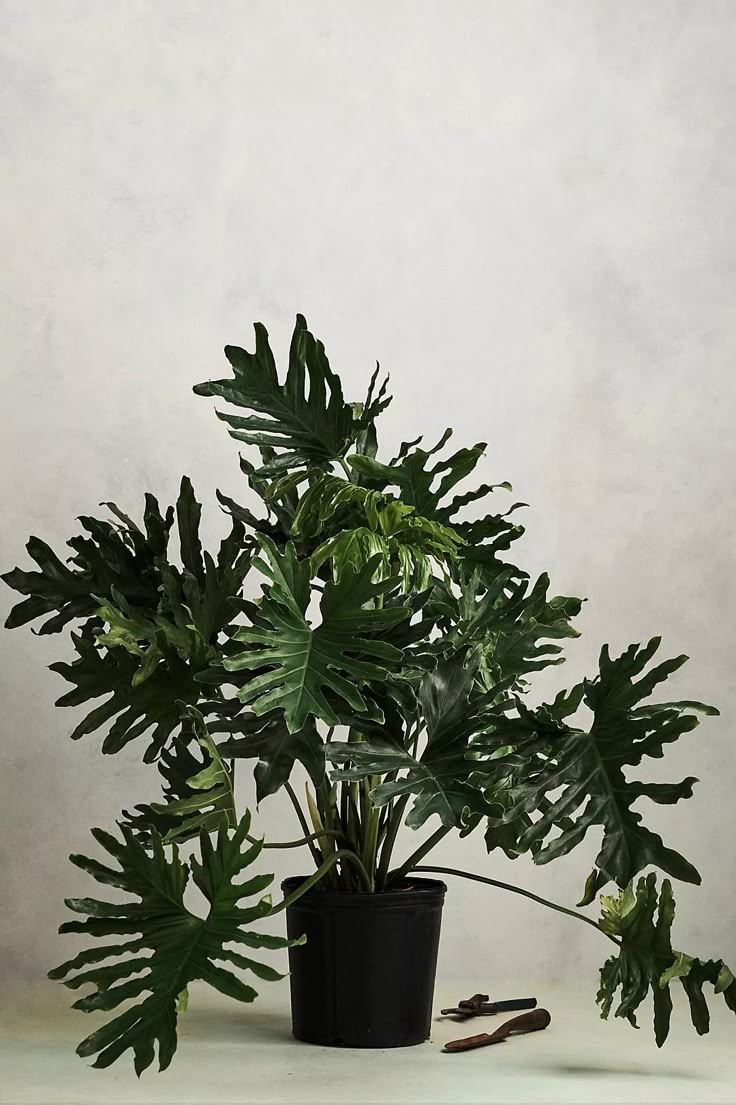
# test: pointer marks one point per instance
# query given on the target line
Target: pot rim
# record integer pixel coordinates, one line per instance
(416, 893)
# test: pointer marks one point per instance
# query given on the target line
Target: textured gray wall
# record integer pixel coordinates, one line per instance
(523, 209)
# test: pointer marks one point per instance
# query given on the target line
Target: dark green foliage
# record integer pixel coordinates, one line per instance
(390, 615)
(268, 739)
(209, 801)
(306, 421)
(587, 765)
(442, 776)
(113, 555)
(168, 945)
(303, 661)
(646, 960)
(151, 628)
(178, 762)
(153, 706)
(516, 625)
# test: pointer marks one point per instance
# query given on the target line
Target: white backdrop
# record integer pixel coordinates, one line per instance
(524, 210)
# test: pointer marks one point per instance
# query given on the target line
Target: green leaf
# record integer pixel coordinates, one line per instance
(149, 639)
(341, 654)
(415, 477)
(210, 805)
(112, 555)
(306, 421)
(516, 624)
(170, 945)
(442, 777)
(270, 741)
(356, 523)
(188, 514)
(182, 759)
(646, 961)
(151, 707)
(366, 414)
(587, 768)
(349, 550)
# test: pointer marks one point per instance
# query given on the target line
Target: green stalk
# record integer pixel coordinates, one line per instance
(394, 824)
(397, 875)
(344, 805)
(302, 820)
(302, 840)
(353, 822)
(346, 469)
(341, 854)
(325, 846)
(370, 842)
(524, 893)
(327, 805)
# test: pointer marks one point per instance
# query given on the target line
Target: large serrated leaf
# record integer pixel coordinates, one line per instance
(170, 946)
(152, 628)
(646, 962)
(587, 768)
(342, 654)
(304, 420)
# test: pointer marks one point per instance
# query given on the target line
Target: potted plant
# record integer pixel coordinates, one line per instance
(389, 654)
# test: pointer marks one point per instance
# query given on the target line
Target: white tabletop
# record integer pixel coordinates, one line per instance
(233, 1053)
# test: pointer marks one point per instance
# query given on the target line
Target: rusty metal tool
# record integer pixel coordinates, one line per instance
(533, 1021)
(480, 1006)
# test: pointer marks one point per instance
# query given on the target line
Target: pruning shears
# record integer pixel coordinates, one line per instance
(480, 1006)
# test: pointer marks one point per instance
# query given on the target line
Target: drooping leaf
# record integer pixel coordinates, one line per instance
(305, 419)
(339, 654)
(588, 766)
(167, 946)
(210, 803)
(269, 740)
(642, 921)
(179, 760)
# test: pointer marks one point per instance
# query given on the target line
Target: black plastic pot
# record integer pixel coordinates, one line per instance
(365, 976)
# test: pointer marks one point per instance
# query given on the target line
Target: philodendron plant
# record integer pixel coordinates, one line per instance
(389, 652)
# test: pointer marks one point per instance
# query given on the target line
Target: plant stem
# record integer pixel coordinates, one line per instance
(345, 468)
(298, 843)
(325, 846)
(353, 821)
(419, 854)
(330, 816)
(394, 824)
(302, 821)
(524, 893)
(342, 854)
(371, 823)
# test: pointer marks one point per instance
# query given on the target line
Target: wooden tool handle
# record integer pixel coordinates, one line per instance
(533, 1021)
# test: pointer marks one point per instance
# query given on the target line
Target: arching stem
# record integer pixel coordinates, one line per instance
(518, 890)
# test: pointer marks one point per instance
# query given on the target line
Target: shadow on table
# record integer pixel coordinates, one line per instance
(593, 1070)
